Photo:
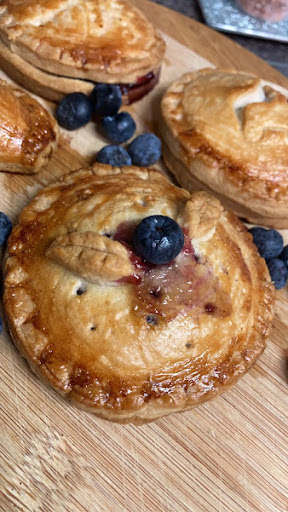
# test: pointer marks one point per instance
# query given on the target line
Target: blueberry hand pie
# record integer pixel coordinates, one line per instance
(56, 47)
(118, 334)
(227, 133)
(28, 133)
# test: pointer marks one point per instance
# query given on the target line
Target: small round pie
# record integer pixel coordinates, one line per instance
(227, 133)
(121, 337)
(28, 133)
(57, 46)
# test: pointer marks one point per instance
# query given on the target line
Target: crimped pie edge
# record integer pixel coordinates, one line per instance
(74, 63)
(227, 178)
(149, 402)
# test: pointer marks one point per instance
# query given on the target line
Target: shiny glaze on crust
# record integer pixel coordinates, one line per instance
(85, 40)
(105, 357)
(231, 133)
(26, 128)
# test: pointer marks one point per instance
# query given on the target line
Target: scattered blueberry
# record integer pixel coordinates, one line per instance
(106, 99)
(118, 128)
(278, 272)
(74, 111)
(114, 155)
(1, 325)
(145, 149)
(268, 241)
(5, 227)
(158, 239)
(284, 256)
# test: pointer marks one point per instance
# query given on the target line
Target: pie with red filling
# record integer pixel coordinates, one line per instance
(55, 47)
(120, 337)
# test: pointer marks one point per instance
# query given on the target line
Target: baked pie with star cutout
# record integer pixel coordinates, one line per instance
(227, 133)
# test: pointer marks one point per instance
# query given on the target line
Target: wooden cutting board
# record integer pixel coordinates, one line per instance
(226, 455)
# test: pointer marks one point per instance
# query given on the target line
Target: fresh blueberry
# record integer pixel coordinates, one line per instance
(269, 242)
(106, 99)
(118, 128)
(284, 256)
(145, 149)
(113, 155)
(158, 239)
(5, 227)
(74, 111)
(278, 272)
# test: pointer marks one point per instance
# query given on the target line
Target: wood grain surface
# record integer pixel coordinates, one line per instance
(229, 454)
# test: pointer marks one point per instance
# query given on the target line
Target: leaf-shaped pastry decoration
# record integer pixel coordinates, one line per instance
(94, 257)
(200, 216)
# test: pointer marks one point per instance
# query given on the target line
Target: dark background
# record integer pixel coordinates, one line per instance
(275, 53)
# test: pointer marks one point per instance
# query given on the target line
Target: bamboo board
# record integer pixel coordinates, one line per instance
(229, 454)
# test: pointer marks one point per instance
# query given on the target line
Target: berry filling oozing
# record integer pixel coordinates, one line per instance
(175, 288)
(136, 91)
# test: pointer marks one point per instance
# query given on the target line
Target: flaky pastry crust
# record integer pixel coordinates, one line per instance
(135, 344)
(28, 133)
(227, 133)
(47, 85)
(98, 40)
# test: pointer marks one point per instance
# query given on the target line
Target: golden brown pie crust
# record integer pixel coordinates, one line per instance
(28, 133)
(228, 133)
(97, 40)
(89, 331)
(48, 86)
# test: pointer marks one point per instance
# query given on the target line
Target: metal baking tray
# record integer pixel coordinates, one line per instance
(226, 16)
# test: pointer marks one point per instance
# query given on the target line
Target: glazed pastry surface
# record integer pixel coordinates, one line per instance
(122, 338)
(230, 133)
(100, 40)
(28, 133)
